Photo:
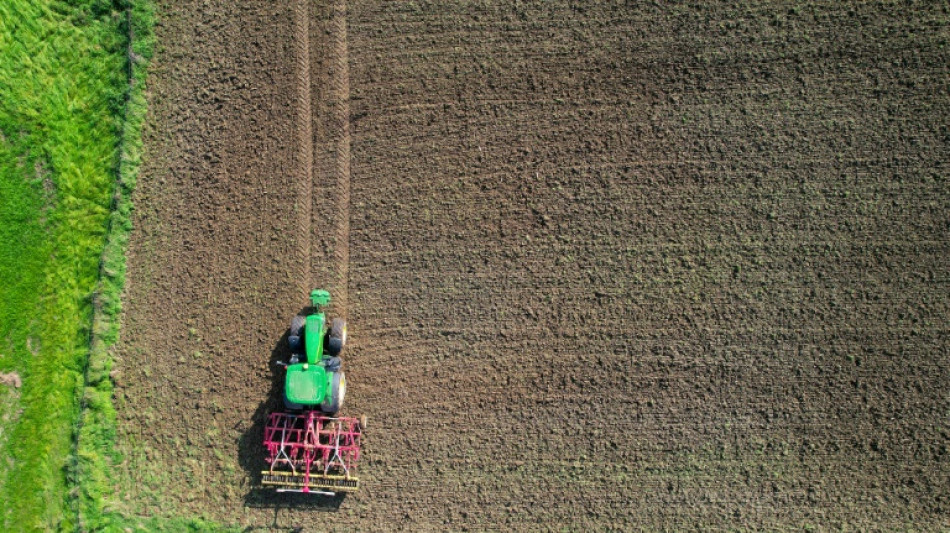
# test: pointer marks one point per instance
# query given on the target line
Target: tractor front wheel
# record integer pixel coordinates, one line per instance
(336, 339)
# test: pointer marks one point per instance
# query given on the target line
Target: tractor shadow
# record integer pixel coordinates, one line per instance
(251, 448)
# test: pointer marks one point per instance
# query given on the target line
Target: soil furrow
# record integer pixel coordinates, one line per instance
(340, 123)
(303, 203)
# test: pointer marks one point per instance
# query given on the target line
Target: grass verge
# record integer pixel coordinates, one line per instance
(72, 106)
(96, 430)
(61, 95)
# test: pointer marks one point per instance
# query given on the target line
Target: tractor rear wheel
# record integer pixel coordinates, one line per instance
(334, 399)
(295, 336)
(336, 339)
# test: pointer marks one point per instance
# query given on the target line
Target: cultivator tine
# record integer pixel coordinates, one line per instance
(282, 457)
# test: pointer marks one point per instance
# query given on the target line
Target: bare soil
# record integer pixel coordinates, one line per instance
(11, 379)
(605, 266)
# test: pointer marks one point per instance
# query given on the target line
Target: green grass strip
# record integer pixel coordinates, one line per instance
(95, 452)
(61, 100)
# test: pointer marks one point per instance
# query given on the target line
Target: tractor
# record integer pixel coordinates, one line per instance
(309, 447)
(314, 379)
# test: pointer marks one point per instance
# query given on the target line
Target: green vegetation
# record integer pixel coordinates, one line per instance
(95, 452)
(63, 87)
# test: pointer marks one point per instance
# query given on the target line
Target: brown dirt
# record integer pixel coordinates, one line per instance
(11, 379)
(604, 266)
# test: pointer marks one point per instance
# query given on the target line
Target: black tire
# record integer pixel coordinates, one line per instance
(297, 324)
(296, 334)
(334, 401)
(291, 405)
(336, 339)
(331, 364)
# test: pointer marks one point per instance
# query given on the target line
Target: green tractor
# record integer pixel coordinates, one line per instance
(310, 448)
(314, 380)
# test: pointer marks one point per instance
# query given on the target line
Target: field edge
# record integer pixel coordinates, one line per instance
(95, 434)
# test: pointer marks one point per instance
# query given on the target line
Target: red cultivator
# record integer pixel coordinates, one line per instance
(312, 452)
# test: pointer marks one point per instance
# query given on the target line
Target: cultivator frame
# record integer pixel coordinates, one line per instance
(312, 453)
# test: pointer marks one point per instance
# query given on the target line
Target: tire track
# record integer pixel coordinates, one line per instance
(326, 224)
(339, 123)
(303, 204)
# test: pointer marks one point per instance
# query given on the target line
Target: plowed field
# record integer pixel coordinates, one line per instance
(605, 265)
